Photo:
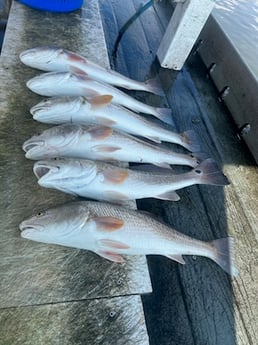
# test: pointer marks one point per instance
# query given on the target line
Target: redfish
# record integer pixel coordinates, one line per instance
(53, 59)
(113, 231)
(102, 143)
(70, 84)
(99, 110)
(103, 181)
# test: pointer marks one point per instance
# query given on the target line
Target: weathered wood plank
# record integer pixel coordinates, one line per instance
(241, 208)
(183, 29)
(35, 273)
(198, 303)
(113, 321)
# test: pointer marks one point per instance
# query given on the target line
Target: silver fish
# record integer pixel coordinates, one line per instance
(101, 143)
(99, 110)
(103, 181)
(112, 231)
(53, 59)
(70, 84)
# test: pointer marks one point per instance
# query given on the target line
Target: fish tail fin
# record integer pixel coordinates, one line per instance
(154, 86)
(210, 173)
(163, 114)
(223, 254)
(191, 140)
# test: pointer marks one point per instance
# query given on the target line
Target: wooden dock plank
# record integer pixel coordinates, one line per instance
(42, 284)
(116, 320)
(209, 307)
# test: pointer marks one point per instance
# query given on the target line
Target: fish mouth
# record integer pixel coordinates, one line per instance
(43, 169)
(27, 55)
(33, 148)
(27, 228)
(37, 109)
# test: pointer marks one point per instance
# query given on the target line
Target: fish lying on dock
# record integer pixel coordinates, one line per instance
(103, 181)
(102, 143)
(70, 84)
(112, 231)
(53, 59)
(99, 110)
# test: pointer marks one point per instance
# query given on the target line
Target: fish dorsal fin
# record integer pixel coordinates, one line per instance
(110, 256)
(105, 148)
(101, 101)
(171, 195)
(115, 175)
(164, 165)
(108, 223)
(112, 244)
(100, 133)
(176, 257)
(154, 139)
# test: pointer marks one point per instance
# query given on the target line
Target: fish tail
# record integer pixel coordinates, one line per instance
(191, 141)
(154, 86)
(223, 254)
(210, 173)
(163, 114)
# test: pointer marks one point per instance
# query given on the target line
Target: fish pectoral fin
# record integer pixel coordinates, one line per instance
(100, 101)
(100, 133)
(105, 148)
(171, 195)
(177, 258)
(108, 223)
(110, 256)
(115, 175)
(77, 70)
(112, 244)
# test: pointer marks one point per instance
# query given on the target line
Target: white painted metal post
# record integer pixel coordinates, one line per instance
(183, 29)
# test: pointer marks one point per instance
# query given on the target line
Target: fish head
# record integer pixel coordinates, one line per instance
(51, 142)
(51, 83)
(65, 174)
(58, 110)
(63, 225)
(45, 58)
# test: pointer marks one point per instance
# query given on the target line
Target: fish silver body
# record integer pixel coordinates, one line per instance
(107, 182)
(101, 143)
(112, 231)
(52, 59)
(71, 84)
(99, 110)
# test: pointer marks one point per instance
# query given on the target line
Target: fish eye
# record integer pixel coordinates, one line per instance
(40, 214)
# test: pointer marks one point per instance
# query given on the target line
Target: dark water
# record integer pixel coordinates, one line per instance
(239, 19)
